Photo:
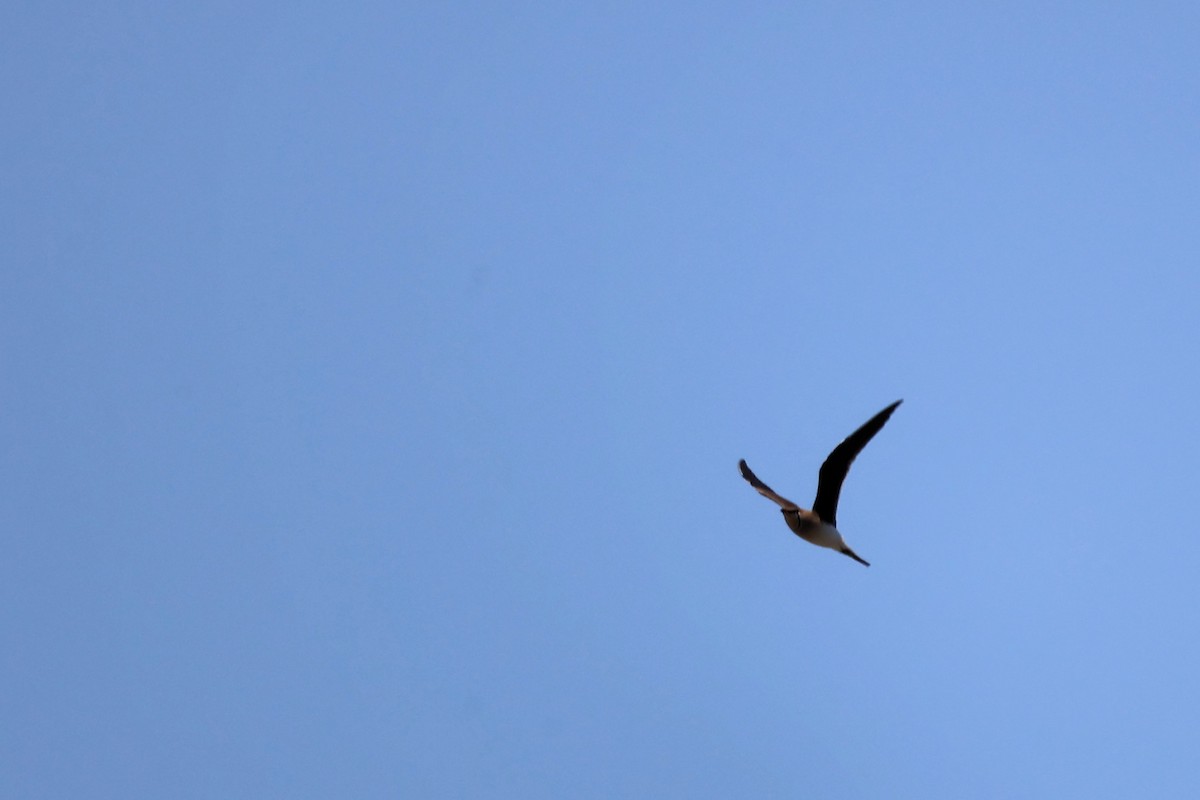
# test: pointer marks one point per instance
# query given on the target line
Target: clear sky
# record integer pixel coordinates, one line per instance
(373, 378)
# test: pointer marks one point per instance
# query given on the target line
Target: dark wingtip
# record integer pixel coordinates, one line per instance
(886, 414)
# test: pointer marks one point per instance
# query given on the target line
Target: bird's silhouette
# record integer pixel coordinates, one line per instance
(819, 526)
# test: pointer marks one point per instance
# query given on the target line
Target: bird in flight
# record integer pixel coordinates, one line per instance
(819, 526)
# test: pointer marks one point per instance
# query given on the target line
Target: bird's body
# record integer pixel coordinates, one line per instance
(819, 526)
(808, 526)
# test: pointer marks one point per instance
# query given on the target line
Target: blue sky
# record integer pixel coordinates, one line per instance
(375, 375)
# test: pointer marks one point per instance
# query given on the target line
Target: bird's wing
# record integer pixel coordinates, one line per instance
(834, 470)
(765, 490)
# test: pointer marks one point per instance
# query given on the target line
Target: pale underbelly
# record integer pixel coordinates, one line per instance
(814, 531)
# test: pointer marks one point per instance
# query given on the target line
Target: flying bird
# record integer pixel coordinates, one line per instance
(819, 526)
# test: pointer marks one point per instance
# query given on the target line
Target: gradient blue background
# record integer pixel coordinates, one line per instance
(374, 377)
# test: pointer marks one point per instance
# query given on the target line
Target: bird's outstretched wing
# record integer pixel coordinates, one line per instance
(765, 490)
(837, 464)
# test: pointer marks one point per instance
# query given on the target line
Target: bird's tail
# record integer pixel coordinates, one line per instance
(855, 556)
